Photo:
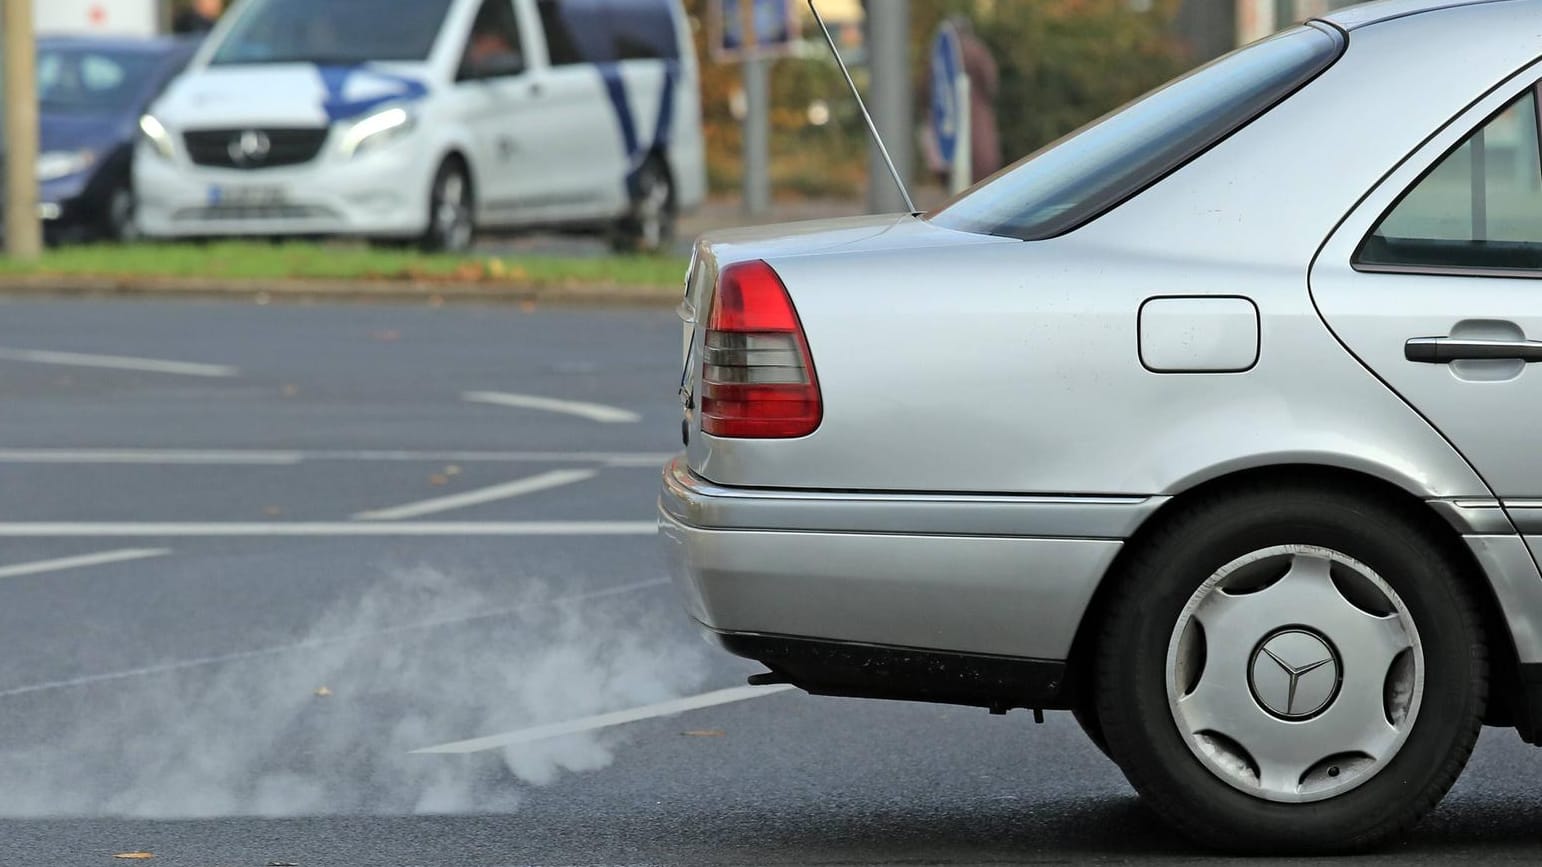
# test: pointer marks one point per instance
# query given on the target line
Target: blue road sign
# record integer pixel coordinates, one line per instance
(947, 114)
(773, 23)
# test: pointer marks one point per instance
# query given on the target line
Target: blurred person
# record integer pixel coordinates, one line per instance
(984, 86)
(199, 17)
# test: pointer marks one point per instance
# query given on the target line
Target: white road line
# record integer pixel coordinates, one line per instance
(54, 530)
(245, 457)
(41, 566)
(592, 411)
(604, 720)
(519, 488)
(116, 362)
(314, 643)
(148, 456)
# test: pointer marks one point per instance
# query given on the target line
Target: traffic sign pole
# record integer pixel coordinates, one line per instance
(963, 149)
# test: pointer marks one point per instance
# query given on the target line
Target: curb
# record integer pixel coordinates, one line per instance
(391, 291)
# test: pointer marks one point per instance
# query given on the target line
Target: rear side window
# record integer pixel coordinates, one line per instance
(605, 31)
(1479, 208)
(1086, 174)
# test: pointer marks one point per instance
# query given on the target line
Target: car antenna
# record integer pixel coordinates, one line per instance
(871, 127)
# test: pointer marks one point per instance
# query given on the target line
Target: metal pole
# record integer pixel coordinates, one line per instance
(1255, 20)
(888, 28)
(23, 235)
(963, 150)
(757, 136)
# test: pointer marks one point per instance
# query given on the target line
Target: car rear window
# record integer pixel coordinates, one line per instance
(1089, 172)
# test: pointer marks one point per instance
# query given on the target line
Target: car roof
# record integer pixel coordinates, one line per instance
(1366, 14)
(125, 44)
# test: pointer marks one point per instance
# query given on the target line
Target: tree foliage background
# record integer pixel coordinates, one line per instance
(1062, 63)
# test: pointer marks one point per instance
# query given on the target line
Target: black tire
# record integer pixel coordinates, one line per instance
(649, 227)
(1167, 569)
(1086, 715)
(451, 211)
(118, 220)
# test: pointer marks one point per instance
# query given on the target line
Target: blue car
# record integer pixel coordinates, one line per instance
(91, 93)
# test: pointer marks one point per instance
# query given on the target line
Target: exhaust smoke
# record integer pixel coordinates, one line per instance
(326, 726)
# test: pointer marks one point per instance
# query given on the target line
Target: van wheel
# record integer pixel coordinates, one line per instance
(121, 225)
(1290, 670)
(650, 226)
(451, 220)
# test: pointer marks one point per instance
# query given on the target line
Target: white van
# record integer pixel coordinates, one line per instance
(427, 120)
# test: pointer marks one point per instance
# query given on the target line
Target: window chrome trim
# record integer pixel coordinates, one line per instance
(1448, 271)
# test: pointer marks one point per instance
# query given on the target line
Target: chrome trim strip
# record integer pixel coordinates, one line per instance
(1526, 515)
(696, 502)
(1470, 516)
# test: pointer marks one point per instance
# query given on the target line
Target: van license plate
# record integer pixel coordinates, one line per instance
(247, 196)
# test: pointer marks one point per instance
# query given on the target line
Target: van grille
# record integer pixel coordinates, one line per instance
(254, 148)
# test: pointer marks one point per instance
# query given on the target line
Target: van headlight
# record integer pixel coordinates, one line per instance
(155, 133)
(377, 130)
(53, 165)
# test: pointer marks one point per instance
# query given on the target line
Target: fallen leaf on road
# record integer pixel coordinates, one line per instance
(705, 733)
(272, 511)
(134, 856)
(527, 306)
(452, 470)
(386, 336)
(291, 390)
(322, 692)
(436, 480)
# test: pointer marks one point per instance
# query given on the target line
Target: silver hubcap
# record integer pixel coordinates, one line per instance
(452, 211)
(1295, 673)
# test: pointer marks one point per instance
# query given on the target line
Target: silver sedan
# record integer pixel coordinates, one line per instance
(1212, 424)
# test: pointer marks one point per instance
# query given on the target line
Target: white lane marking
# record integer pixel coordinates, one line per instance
(41, 566)
(148, 456)
(314, 643)
(116, 362)
(44, 530)
(518, 488)
(243, 457)
(592, 411)
(604, 720)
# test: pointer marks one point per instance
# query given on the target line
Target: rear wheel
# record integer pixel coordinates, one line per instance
(1291, 671)
(451, 219)
(650, 225)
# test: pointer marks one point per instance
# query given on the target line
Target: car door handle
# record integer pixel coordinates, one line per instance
(1444, 350)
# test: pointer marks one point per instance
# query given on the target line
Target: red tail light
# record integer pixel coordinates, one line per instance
(757, 378)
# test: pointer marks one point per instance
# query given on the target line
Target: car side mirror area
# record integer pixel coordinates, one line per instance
(502, 64)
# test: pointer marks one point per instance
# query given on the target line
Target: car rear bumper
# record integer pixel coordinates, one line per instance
(987, 576)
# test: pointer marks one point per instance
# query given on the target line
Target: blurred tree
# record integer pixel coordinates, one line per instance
(1062, 63)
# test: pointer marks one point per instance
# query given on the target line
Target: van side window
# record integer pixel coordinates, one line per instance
(1480, 208)
(604, 31)
(494, 45)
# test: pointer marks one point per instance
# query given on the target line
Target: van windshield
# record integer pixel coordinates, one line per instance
(342, 32)
(1091, 171)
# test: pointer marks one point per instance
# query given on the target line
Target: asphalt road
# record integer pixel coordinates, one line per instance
(234, 600)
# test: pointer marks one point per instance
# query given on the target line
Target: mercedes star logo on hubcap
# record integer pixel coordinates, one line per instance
(1294, 674)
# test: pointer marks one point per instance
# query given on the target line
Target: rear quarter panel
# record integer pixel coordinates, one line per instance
(1015, 367)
